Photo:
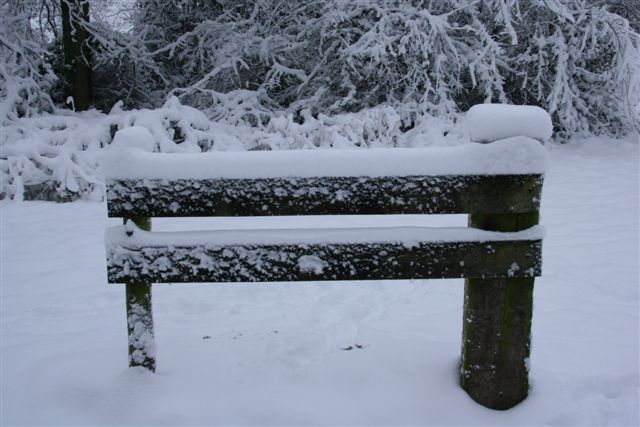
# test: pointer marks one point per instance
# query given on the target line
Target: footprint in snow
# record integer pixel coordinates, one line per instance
(353, 347)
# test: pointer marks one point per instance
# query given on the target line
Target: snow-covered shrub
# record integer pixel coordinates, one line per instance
(582, 65)
(575, 58)
(374, 52)
(246, 61)
(56, 157)
(276, 74)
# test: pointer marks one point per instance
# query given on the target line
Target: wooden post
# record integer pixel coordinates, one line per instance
(140, 316)
(496, 331)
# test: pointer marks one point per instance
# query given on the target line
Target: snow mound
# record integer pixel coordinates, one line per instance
(134, 137)
(518, 155)
(489, 122)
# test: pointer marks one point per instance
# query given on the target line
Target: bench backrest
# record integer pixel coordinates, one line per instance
(357, 182)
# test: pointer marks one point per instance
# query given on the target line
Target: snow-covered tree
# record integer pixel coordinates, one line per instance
(295, 74)
(247, 61)
(576, 58)
(581, 63)
(26, 77)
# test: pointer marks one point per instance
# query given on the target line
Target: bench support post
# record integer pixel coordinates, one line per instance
(496, 331)
(140, 316)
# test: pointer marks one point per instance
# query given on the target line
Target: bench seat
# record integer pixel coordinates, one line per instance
(282, 255)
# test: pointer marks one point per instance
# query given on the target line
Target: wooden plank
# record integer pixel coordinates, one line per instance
(325, 196)
(328, 261)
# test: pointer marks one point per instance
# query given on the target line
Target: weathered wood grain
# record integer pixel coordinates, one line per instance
(496, 333)
(325, 196)
(317, 262)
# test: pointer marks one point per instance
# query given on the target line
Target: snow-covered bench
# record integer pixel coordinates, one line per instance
(499, 184)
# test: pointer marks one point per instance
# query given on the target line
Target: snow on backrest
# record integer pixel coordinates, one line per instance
(518, 155)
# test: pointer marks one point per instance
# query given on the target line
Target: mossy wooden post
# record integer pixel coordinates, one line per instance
(496, 331)
(140, 315)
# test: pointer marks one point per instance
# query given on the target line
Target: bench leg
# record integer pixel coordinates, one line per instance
(140, 316)
(496, 332)
(140, 326)
(496, 341)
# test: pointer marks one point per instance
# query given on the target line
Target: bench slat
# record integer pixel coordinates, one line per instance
(448, 194)
(322, 261)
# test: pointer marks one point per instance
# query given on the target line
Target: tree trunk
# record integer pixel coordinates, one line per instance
(77, 65)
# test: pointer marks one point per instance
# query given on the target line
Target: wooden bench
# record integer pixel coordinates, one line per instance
(498, 184)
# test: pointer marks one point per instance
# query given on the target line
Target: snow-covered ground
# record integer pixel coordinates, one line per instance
(322, 353)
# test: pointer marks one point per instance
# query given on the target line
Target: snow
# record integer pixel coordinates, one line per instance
(489, 122)
(311, 264)
(142, 337)
(134, 137)
(120, 236)
(252, 354)
(55, 156)
(517, 155)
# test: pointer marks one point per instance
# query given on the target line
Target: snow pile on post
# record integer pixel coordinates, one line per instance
(490, 122)
(520, 155)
